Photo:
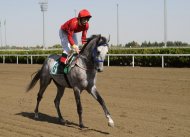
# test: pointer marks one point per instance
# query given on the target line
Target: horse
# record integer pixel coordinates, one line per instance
(82, 76)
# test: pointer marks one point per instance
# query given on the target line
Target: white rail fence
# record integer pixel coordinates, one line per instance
(30, 57)
(145, 55)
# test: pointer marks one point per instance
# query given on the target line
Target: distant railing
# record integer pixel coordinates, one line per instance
(30, 57)
(136, 55)
(24, 55)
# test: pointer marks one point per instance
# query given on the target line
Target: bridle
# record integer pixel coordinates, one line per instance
(95, 52)
(94, 56)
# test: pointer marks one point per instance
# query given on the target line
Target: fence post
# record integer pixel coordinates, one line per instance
(162, 61)
(17, 59)
(3, 59)
(27, 59)
(133, 62)
(31, 60)
(108, 60)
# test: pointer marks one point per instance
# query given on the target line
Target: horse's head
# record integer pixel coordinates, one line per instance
(95, 50)
(99, 53)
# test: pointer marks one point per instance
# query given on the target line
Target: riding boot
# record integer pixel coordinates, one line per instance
(63, 59)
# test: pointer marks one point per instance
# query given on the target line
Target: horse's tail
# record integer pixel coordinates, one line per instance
(34, 80)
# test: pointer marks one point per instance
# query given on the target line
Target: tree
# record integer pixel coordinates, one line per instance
(132, 44)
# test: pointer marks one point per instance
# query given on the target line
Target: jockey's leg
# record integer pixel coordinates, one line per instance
(65, 45)
(75, 38)
(63, 58)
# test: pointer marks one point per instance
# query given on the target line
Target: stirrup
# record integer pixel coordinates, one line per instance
(66, 70)
(71, 58)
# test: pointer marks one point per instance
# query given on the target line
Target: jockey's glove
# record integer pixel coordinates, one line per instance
(75, 48)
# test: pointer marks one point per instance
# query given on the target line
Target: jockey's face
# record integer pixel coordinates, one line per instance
(83, 21)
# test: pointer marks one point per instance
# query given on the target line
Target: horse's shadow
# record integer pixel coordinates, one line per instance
(54, 120)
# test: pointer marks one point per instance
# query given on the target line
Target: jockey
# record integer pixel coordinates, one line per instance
(68, 32)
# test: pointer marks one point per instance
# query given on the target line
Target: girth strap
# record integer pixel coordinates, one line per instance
(67, 80)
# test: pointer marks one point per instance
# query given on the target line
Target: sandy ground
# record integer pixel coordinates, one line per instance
(144, 102)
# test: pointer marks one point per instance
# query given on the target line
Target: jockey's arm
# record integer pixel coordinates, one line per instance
(75, 48)
(70, 37)
(83, 38)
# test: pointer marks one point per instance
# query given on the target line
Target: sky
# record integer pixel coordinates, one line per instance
(139, 20)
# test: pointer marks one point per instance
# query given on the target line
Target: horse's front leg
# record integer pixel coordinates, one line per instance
(93, 91)
(79, 106)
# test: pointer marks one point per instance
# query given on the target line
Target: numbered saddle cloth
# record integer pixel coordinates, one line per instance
(56, 67)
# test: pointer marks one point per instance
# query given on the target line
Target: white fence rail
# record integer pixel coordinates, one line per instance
(136, 55)
(30, 57)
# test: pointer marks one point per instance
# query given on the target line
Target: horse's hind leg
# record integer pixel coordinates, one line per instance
(44, 82)
(60, 92)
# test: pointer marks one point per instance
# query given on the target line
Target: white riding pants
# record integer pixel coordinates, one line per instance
(65, 42)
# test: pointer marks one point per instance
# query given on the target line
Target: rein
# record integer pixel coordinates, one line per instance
(88, 68)
(92, 60)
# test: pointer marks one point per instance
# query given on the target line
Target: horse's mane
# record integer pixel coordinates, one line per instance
(88, 41)
(102, 41)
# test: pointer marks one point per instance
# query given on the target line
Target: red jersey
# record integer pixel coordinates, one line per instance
(72, 26)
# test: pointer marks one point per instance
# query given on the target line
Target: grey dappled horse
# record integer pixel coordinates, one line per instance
(82, 76)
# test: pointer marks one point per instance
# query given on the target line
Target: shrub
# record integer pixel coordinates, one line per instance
(152, 61)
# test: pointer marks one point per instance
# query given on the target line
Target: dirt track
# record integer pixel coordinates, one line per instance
(144, 102)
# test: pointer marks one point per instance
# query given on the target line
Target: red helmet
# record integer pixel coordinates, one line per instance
(84, 13)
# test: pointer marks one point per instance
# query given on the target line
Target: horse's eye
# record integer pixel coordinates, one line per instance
(98, 52)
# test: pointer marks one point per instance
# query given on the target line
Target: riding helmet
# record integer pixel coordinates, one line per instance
(84, 14)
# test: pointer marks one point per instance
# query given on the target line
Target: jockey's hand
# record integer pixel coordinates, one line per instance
(75, 48)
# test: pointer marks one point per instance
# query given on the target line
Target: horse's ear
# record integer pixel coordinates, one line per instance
(108, 40)
(98, 37)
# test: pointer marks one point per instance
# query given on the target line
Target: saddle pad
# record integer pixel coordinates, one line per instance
(53, 66)
(57, 68)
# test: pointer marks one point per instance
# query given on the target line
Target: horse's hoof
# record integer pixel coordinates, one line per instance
(82, 126)
(36, 116)
(111, 123)
(62, 121)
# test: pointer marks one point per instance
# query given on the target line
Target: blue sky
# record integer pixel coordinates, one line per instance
(139, 20)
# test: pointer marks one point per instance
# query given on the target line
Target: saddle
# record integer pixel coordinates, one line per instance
(59, 68)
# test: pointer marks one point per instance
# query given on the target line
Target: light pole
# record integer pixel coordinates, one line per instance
(1, 35)
(117, 24)
(43, 6)
(165, 24)
(75, 12)
(5, 33)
